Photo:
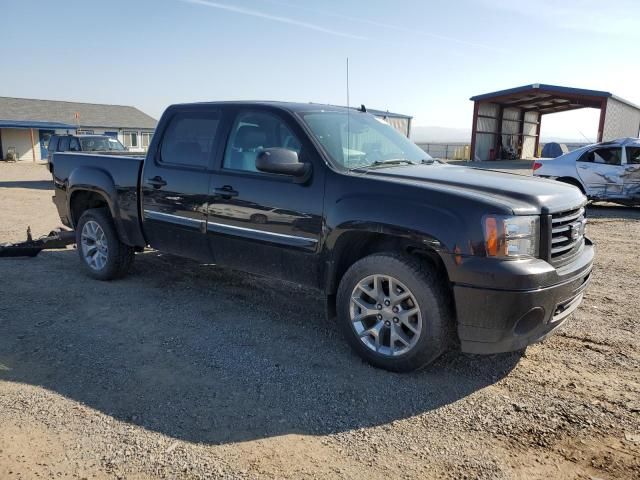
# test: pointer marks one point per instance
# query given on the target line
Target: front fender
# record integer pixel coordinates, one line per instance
(430, 225)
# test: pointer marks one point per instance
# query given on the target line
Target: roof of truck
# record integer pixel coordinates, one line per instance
(300, 107)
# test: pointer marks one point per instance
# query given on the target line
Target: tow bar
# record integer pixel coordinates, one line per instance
(57, 238)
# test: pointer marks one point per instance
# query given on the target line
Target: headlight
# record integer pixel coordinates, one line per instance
(511, 236)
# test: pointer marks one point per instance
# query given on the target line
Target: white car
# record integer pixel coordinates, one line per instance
(605, 171)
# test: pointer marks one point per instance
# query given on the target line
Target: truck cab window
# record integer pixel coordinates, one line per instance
(74, 145)
(53, 143)
(253, 132)
(190, 139)
(63, 144)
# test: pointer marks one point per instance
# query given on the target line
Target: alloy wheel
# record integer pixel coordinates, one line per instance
(385, 315)
(95, 248)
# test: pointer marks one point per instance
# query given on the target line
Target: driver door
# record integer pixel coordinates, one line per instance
(261, 222)
(601, 170)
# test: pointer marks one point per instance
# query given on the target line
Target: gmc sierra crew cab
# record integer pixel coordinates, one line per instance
(412, 255)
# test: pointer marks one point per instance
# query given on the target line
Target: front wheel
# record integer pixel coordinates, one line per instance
(102, 254)
(394, 312)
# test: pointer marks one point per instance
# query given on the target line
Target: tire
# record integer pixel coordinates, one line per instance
(111, 258)
(427, 292)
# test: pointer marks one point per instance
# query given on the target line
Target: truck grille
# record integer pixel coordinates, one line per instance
(567, 234)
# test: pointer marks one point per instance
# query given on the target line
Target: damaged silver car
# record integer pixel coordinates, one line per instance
(605, 171)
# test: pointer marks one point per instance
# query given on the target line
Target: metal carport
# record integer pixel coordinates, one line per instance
(510, 119)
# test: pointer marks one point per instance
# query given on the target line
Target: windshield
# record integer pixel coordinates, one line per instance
(361, 140)
(101, 144)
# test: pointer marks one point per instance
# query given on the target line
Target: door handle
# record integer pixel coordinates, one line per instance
(156, 182)
(226, 192)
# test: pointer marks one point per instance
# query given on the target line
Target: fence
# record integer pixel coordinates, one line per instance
(462, 151)
(447, 151)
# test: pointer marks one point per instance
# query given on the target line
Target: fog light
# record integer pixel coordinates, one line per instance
(529, 321)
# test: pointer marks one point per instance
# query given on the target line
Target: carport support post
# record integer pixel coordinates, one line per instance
(537, 147)
(474, 128)
(33, 145)
(603, 115)
(498, 136)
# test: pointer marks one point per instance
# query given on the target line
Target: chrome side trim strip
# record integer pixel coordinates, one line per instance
(253, 234)
(249, 233)
(177, 219)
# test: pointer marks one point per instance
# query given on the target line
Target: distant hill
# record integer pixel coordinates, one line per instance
(432, 134)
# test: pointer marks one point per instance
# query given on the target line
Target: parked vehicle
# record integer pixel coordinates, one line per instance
(411, 254)
(85, 143)
(605, 171)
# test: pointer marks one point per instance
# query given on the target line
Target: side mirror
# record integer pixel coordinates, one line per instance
(282, 161)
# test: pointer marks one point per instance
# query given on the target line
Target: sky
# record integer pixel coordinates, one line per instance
(418, 57)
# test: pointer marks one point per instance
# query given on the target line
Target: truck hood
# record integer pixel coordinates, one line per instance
(522, 194)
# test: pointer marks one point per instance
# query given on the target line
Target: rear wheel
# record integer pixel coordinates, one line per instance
(102, 254)
(394, 312)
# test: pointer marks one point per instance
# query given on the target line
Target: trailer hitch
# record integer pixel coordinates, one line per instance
(57, 238)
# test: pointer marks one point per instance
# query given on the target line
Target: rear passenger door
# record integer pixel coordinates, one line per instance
(175, 181)
(262, 222)
(601, 170)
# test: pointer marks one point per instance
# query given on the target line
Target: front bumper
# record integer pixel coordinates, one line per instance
(498, 319)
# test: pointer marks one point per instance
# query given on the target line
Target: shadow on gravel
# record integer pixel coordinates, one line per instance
(32, 184)
(207, 355)
(613, 212)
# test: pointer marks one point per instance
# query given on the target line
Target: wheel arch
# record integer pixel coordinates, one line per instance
(83, 199)
(354, 245)
(94, 188)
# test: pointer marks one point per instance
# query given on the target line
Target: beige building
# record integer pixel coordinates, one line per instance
(26, 125)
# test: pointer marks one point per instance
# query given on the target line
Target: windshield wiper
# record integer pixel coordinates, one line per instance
(382, 163)
(428, 161)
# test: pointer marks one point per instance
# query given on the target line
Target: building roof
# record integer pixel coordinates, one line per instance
(90, 114)
(383, 113)
(36, 124)
(548, 98)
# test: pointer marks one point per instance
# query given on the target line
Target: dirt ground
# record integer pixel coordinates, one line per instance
(189, 371)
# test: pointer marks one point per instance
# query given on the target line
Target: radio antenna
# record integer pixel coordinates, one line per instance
(348, 120)
(347, 82)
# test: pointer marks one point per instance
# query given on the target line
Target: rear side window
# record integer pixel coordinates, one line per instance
(633, 155)
(609, 156)
(190, 139)
(74, 145)
(53, 144)
(63, 145)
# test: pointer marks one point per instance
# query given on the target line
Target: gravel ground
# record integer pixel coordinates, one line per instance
(190, 371)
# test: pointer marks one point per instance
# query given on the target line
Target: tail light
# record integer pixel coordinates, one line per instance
(536, 165)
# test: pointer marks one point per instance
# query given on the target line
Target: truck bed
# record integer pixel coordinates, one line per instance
(114, 177)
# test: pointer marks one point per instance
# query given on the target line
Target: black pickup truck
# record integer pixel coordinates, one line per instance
(412, 255)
